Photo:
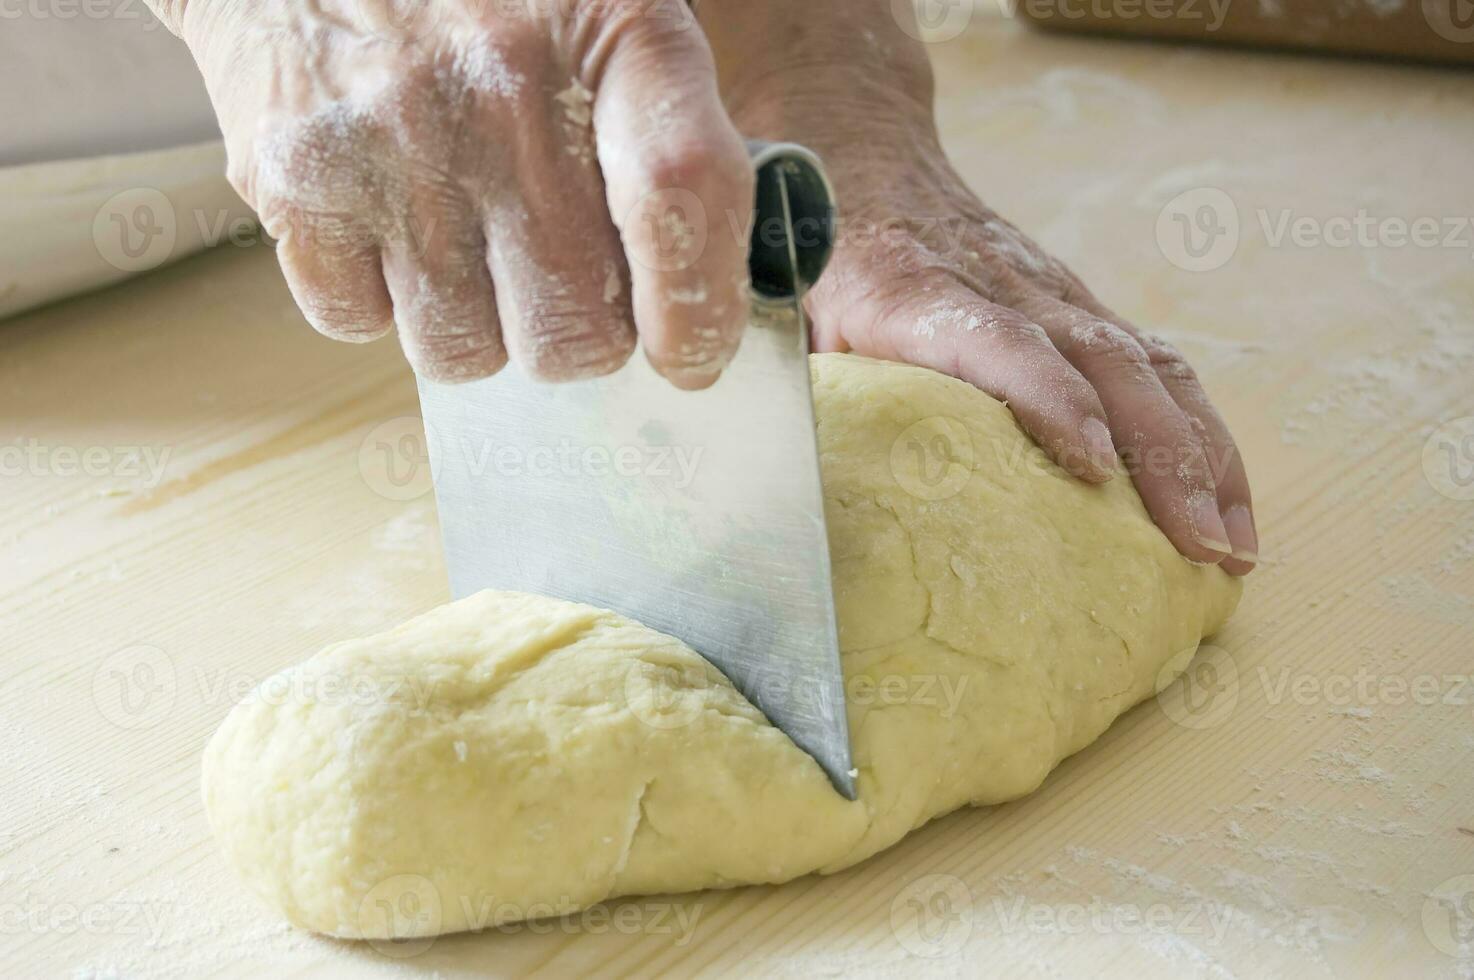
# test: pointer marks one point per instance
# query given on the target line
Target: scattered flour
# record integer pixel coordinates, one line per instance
(407, 532)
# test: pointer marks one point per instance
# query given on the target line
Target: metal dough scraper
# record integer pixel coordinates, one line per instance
(697, 513)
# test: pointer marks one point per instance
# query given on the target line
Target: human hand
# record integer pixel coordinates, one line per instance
(924, 272)
(493, 179)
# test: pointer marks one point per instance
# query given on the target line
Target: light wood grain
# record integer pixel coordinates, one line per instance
(1313, 827)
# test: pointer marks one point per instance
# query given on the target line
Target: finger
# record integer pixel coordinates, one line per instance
(680, 189)
(1164, 453)
(328, 252)
(1235, 501)
(335, 278)
(949, 328)
(444, 304)
(562, 286)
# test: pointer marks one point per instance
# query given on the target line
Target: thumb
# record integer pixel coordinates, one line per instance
(679, 188)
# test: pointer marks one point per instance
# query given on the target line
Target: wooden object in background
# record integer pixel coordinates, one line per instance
(1425, 30)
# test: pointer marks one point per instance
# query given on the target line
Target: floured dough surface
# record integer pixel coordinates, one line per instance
(510, 756)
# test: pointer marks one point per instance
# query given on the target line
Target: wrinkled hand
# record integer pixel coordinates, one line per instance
(923, 272)
(492, 178)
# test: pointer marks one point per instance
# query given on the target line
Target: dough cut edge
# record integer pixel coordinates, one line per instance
(530, 773)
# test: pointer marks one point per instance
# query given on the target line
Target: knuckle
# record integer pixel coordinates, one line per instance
(334, 235)
(341, 317)
(913, 300)
(506, 62)
(707, 169)
(238, 173)
(452, 359)
(1018, 253)
(567, 345)
(409, 108)
(522, 48)
(899, 274)
(654, 28)
(281, 222)
(608, 14)
(439, 313)
(1106, 342)
(1167, 360)
(320, 162)
(1008, 327)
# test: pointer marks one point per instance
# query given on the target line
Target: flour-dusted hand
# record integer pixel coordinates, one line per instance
(924, 272)
(549, 181)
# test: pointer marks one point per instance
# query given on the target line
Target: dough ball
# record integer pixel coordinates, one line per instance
(512, 756)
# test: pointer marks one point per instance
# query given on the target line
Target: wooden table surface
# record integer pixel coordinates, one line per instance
(1304, 805)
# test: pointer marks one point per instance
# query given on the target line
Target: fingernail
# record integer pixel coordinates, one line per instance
(1098, 442)
(1208, 525)
(1240, 525)
(692, 379)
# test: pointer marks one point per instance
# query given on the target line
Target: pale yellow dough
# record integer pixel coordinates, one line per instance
(510, 755)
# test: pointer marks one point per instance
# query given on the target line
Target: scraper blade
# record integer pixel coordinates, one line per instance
(697, 513)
